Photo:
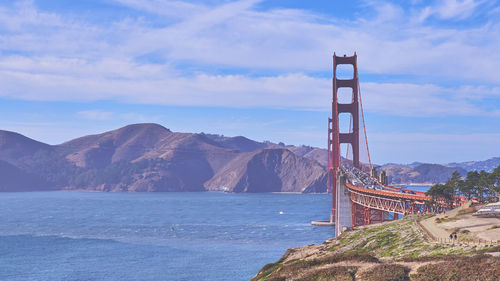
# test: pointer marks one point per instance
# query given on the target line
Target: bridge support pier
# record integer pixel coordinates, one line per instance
(343, 218)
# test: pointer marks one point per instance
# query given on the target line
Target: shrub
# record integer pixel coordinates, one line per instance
(479, 267)
(338, 273)
(386, 272)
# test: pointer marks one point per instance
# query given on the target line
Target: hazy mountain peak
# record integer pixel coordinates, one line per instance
(238, 143)
(9, 138)
(14, 146)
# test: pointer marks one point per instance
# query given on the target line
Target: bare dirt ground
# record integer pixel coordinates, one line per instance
(469, 228)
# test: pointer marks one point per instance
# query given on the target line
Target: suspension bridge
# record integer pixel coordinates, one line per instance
(359, 196)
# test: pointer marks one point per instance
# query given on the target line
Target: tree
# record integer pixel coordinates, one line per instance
(442, 193)
(496, 179)
(453, 186)
(469, 187)
(485, 188)
(446, 192)
(482, 185)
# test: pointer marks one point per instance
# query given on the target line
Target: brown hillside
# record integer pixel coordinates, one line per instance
(270, 170)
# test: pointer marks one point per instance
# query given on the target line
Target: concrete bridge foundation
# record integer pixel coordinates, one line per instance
(343, 212)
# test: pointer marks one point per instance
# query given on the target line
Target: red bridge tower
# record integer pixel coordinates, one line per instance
(335, 137)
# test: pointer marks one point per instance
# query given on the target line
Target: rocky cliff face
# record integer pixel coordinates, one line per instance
(270, 170)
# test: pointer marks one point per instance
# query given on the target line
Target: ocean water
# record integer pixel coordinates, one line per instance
(152, 236)
(423, 188)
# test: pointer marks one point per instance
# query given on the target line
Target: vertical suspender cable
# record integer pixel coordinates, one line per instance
(364, 127)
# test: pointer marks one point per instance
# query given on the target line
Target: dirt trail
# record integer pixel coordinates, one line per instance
(476, 228)
(437, 232)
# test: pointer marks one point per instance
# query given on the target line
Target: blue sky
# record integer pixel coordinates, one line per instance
(429, 70)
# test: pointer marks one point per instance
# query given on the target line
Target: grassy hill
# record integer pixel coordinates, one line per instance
(397, 250)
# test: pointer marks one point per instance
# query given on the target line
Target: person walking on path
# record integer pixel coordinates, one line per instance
(455, 237)
(451, 237)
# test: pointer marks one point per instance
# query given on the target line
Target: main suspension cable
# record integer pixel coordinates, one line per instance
(364, 127)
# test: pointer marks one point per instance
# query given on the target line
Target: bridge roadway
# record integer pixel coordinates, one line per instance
(369, 193)
(388, 201)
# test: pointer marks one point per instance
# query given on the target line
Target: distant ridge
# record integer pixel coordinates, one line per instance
(486, 165)
(151, 158)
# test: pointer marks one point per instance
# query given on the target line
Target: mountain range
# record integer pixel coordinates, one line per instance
(150, 157)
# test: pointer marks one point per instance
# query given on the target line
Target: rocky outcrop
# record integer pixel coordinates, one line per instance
(270, 170)
(317, 154)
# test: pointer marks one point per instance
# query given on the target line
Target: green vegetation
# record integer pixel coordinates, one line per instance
(480, 185)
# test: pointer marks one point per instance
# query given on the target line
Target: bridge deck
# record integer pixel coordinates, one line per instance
(389, 194)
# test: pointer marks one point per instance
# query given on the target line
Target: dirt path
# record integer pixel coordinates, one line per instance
(437, 232)
(476, 228)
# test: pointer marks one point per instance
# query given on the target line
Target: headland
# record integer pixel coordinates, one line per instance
(411, 248)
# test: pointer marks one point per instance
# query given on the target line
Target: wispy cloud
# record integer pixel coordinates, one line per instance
(427, 100)
(451, 9)
(49, 56)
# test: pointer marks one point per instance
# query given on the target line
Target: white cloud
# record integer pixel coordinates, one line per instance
(286, 91)
(64, 58)
(298, 91)
(456, 9)
(426, 100)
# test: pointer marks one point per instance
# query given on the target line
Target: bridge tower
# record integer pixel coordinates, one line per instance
(341, 206)
(359, 205)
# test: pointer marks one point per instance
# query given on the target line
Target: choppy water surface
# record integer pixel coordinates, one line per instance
(152, 236)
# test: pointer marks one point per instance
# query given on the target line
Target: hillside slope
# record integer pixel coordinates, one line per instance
(421, 173)
(395, 250)
(150, 157)
(270, 170)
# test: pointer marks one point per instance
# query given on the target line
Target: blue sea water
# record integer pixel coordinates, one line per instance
(423, 188)
(152, 236)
